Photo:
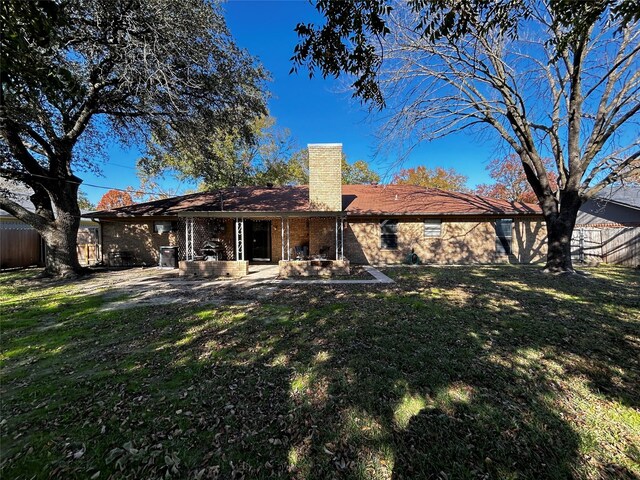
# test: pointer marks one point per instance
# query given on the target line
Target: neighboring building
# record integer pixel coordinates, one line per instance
(22, 246)
(377, 224)
(608, 227)
(615, 206)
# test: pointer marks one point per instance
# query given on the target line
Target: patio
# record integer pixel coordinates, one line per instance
(216, 244)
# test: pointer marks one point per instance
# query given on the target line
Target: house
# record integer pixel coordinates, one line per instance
(608, 227)
(219, 232)
(22, 246)
(615, 206)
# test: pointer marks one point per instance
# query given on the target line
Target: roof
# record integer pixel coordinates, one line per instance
(627, 195)
(411, 200)
(18, 192)
(21, 194)
(356, 200)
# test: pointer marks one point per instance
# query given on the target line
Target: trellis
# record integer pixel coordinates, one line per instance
(193, 232)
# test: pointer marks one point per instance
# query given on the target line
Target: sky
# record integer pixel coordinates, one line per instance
(314, 110)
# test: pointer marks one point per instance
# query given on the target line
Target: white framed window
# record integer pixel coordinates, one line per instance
(165, 227)
(389, 234)
(432, 228)
(504, 227)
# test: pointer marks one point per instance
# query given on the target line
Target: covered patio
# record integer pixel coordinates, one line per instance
(222, 244)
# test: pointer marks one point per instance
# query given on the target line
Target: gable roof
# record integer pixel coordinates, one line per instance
(356, 200)
(626, 195)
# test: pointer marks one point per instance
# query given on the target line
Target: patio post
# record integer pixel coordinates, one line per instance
(282, 237)
(337, 245)
(288, 240)
(189, 239)
(341, 238)
(239, 239)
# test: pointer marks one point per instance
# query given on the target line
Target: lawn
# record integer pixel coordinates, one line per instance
(451, 373)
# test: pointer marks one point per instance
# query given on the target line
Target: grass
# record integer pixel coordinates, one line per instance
(462, 372)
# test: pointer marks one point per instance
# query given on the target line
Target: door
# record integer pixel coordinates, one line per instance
(258, 234)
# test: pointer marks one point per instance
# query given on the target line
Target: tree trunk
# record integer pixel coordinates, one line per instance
(61, 236)
(61, 249)
(559, 231)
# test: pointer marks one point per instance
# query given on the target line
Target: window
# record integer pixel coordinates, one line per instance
(389, 234)
(165, 227)
(432, 228)
(503, 236)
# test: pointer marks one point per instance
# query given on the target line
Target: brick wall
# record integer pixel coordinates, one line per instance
(298, 236)
(230, 269)
(322, 236)
(325, 177)
(461, 241)
(529, 241)
(138, 238)
(314, 268)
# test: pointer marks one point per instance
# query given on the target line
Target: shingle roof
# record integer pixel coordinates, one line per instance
(627, 195)
(409, 199)
(356, 200)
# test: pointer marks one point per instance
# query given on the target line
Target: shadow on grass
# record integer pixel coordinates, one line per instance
(451, 373)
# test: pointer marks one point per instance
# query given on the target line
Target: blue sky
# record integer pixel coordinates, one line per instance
(314, 110)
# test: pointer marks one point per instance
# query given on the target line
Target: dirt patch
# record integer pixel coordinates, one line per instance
(144, 287)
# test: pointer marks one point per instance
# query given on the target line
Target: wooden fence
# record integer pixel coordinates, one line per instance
(88, 254)
(610, 245)
(20, 248)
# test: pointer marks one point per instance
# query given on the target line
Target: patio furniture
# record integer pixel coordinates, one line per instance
(120, 259)
(301, 252)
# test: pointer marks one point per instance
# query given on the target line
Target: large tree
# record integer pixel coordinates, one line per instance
(554, 78)
(356, 173)
(510, 180)
(114, 198)
(224, 158)
(77, 74)
(228, 159)
(438, 177)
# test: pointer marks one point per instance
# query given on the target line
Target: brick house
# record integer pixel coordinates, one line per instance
(375, 224)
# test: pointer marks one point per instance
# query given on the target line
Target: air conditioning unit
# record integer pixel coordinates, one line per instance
(168, 257)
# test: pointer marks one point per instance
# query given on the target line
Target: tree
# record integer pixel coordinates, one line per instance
(356, 173)
(558, 78)
(510, 180)
(225, 158)
(438, 177)
(79, 72)
(114, 199)
(83, 201)
(229, 160)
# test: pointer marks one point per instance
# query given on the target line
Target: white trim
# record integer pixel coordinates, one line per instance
(190, 253)
(288, 240)
(239, 239)
(337, 246)
(282, 238)
(341, 238)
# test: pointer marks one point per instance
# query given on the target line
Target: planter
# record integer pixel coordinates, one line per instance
(213, 268)
(313, 268)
